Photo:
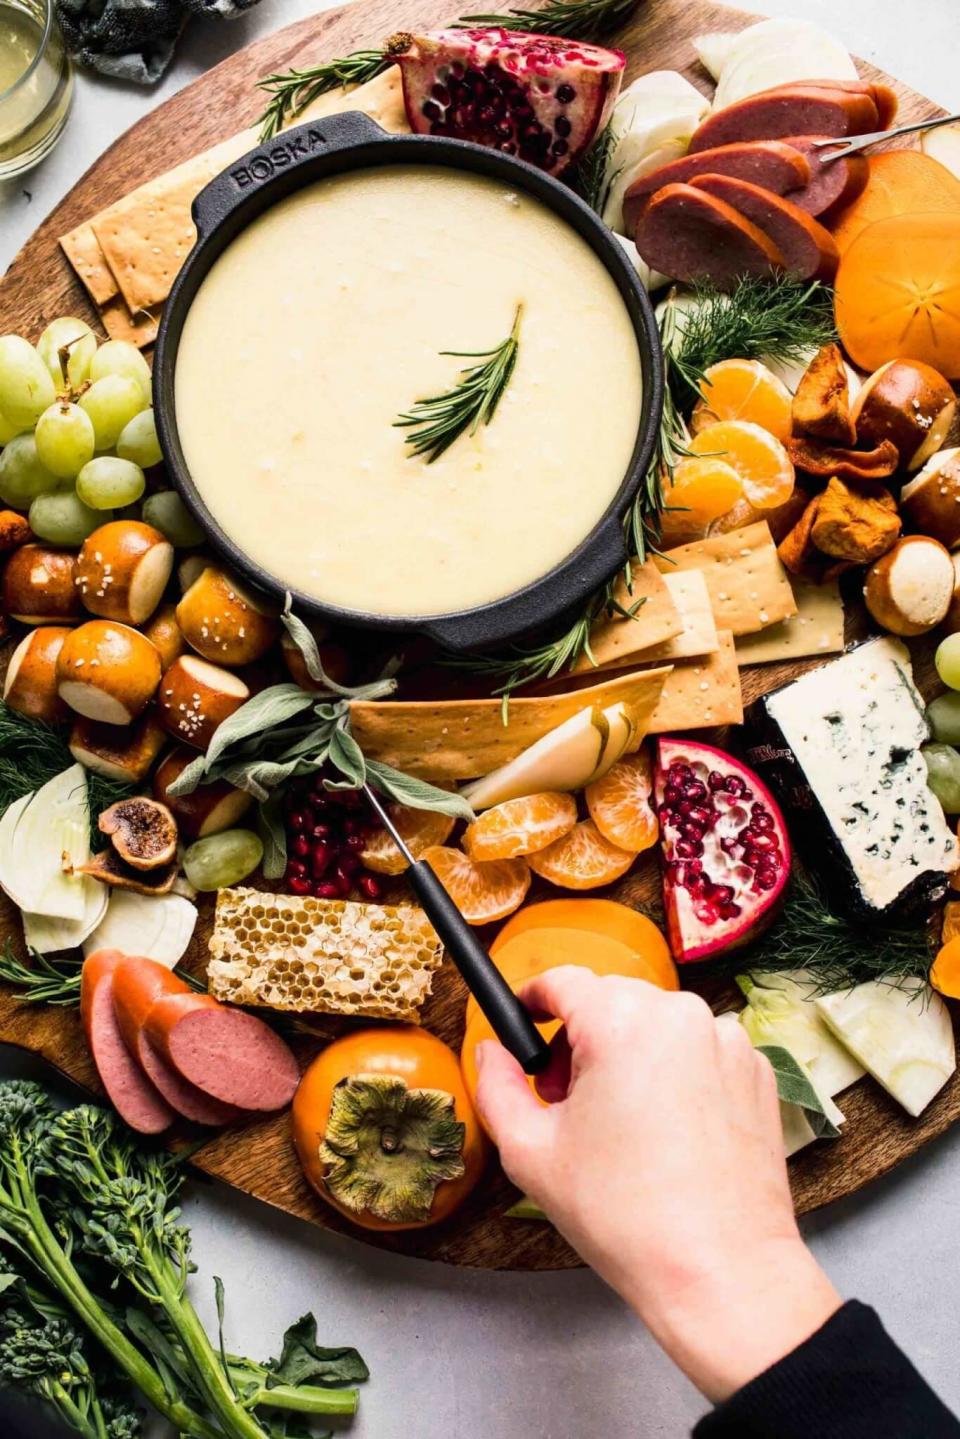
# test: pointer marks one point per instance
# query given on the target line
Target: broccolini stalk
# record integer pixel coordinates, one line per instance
(123, 1214)
(26, 1118)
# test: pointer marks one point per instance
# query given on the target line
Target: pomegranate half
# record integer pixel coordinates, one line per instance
(725, 852)
(539, 97)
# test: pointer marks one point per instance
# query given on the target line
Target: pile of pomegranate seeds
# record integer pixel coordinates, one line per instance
(327, 831)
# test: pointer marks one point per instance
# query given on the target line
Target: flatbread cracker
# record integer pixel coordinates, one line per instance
(614, 640)
(121, 325)
(816, 628)
(701, 693)
(748, 586)
(688, 590)
(82, 249)
(463, 739)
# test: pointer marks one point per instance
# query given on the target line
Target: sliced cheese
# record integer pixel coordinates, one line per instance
(816, 628)
(904, 1038)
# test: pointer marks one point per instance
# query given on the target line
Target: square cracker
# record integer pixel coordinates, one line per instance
(462, 739)
(816, 628)
(119, 324)
(748, 585)
(701, 693)
(614, 639)
(688, 590)
(82, 249)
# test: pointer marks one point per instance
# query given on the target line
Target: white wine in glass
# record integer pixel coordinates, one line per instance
(36, 83)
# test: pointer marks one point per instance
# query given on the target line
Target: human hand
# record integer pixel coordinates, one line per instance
(661, 1161)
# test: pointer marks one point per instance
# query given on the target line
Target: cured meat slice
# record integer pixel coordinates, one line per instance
(135, 1099)
(689, 235)
(883, 96)
(808, 250)
(831, 186)
(775, 166)
(791, 110)
(228, 1054)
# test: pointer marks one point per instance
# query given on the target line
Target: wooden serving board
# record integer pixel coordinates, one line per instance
(258, 1158)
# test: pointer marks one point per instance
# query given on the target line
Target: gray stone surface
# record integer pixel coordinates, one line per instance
(463, 1353)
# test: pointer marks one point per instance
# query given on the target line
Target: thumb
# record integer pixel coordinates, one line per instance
(517, 1121)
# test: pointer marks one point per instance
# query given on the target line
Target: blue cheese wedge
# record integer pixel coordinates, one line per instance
(841, 748)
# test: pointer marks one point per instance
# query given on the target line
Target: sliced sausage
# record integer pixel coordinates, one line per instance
(689, 235)
(831, 186)
(228, 1054)
(131, 1093)
(791, 110)
(769, 163)
(139, 983)
(808, 250)
(883, 96)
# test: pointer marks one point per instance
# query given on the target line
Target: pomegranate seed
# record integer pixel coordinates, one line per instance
(355, 842)
(347, 867)
(301, 846)
(320, 858)
(299, 885)
(370, 887)
(295, 867)
(297, 820)
(326, 890)
(566, 93)
(322, 831)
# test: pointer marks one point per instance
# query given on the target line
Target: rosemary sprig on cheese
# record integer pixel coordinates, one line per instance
(291, 91)
(434, 423)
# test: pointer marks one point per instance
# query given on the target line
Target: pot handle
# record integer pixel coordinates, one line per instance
(284, 154)
(568, 586)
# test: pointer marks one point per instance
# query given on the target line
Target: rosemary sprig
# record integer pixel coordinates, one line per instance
(574, 19)
(435, 423)
(43, 980)
(291, 91)
(837, 951)
(591, 179)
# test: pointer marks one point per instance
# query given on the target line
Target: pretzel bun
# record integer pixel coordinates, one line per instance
(107, 671)
(30, 686)
(909, 403)
(930, 502)
(196, 697)
(223, 621)
(39, 586)
(909, 589)
(163, 631)
(121, 754)
(210, 809)
(333, 657)
(122, 570)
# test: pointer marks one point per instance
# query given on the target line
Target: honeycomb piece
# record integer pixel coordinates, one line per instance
(297, 953)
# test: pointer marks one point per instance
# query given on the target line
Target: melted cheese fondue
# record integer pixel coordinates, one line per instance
(326, 319)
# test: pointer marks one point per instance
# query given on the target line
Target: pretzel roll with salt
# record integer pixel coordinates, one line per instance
(123, 569)
(39, 586)
(196, 697)
(107, 671)
(30, 686)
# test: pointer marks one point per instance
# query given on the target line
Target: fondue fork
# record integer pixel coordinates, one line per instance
(508, 1018)
(853, 144)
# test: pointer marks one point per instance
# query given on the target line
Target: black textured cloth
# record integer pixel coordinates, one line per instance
(134, 39)
(848, 1381)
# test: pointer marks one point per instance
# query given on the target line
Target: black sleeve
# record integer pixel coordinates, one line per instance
(848, 1381)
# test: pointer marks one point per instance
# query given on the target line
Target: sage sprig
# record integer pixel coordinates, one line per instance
(794, 1087)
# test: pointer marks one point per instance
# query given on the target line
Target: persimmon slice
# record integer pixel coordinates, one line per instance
(743, 390)
(619, 803)
(520, 826)
(482, 892)
(418, 828)
(582, 859)
(898, 293)
(599, 916)
(765, 469)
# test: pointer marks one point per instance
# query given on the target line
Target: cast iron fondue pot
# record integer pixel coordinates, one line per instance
(351, 142)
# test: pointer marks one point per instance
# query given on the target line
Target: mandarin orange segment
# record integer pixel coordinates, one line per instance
(482, 892)
(520, 826)
(619, 803)
(418, 828)
(744, 390)
(758, 457)
(582, 859)
(700, 491)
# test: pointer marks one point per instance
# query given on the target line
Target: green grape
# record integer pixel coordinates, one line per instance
(63, 519)
(947, 661)
(119, 357)
(107, 483)
(8, 430)
(82, 343)
(222, 859)
(64, 437)
(139, 442)
(26, 388)
(943, 717)
(167, 513)
(943, 775)
(23, 476)
(111, 402)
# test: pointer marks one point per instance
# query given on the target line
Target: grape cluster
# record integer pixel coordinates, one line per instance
(77, 431)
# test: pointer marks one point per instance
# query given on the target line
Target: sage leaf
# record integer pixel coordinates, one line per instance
(188, 780)
(310, 653)
(794, 1087)
(417, 793)
(262, 712)
(272, 831)
(261, 777)
(304, 1361)
(347, 756)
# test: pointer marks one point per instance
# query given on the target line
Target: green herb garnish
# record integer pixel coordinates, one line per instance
(592, 178)
(572, 19)
(835, 951)
(794, 1087)
(291, 91)
(436, 422)
(31, 753)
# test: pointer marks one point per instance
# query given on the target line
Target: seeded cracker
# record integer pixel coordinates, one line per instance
(301, 954)
(747, 583)
(816, 628)
(614, 640)
(688, 591)
(701, 692)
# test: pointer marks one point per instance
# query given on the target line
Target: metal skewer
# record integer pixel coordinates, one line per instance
(509, 1019)
(852, 144)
